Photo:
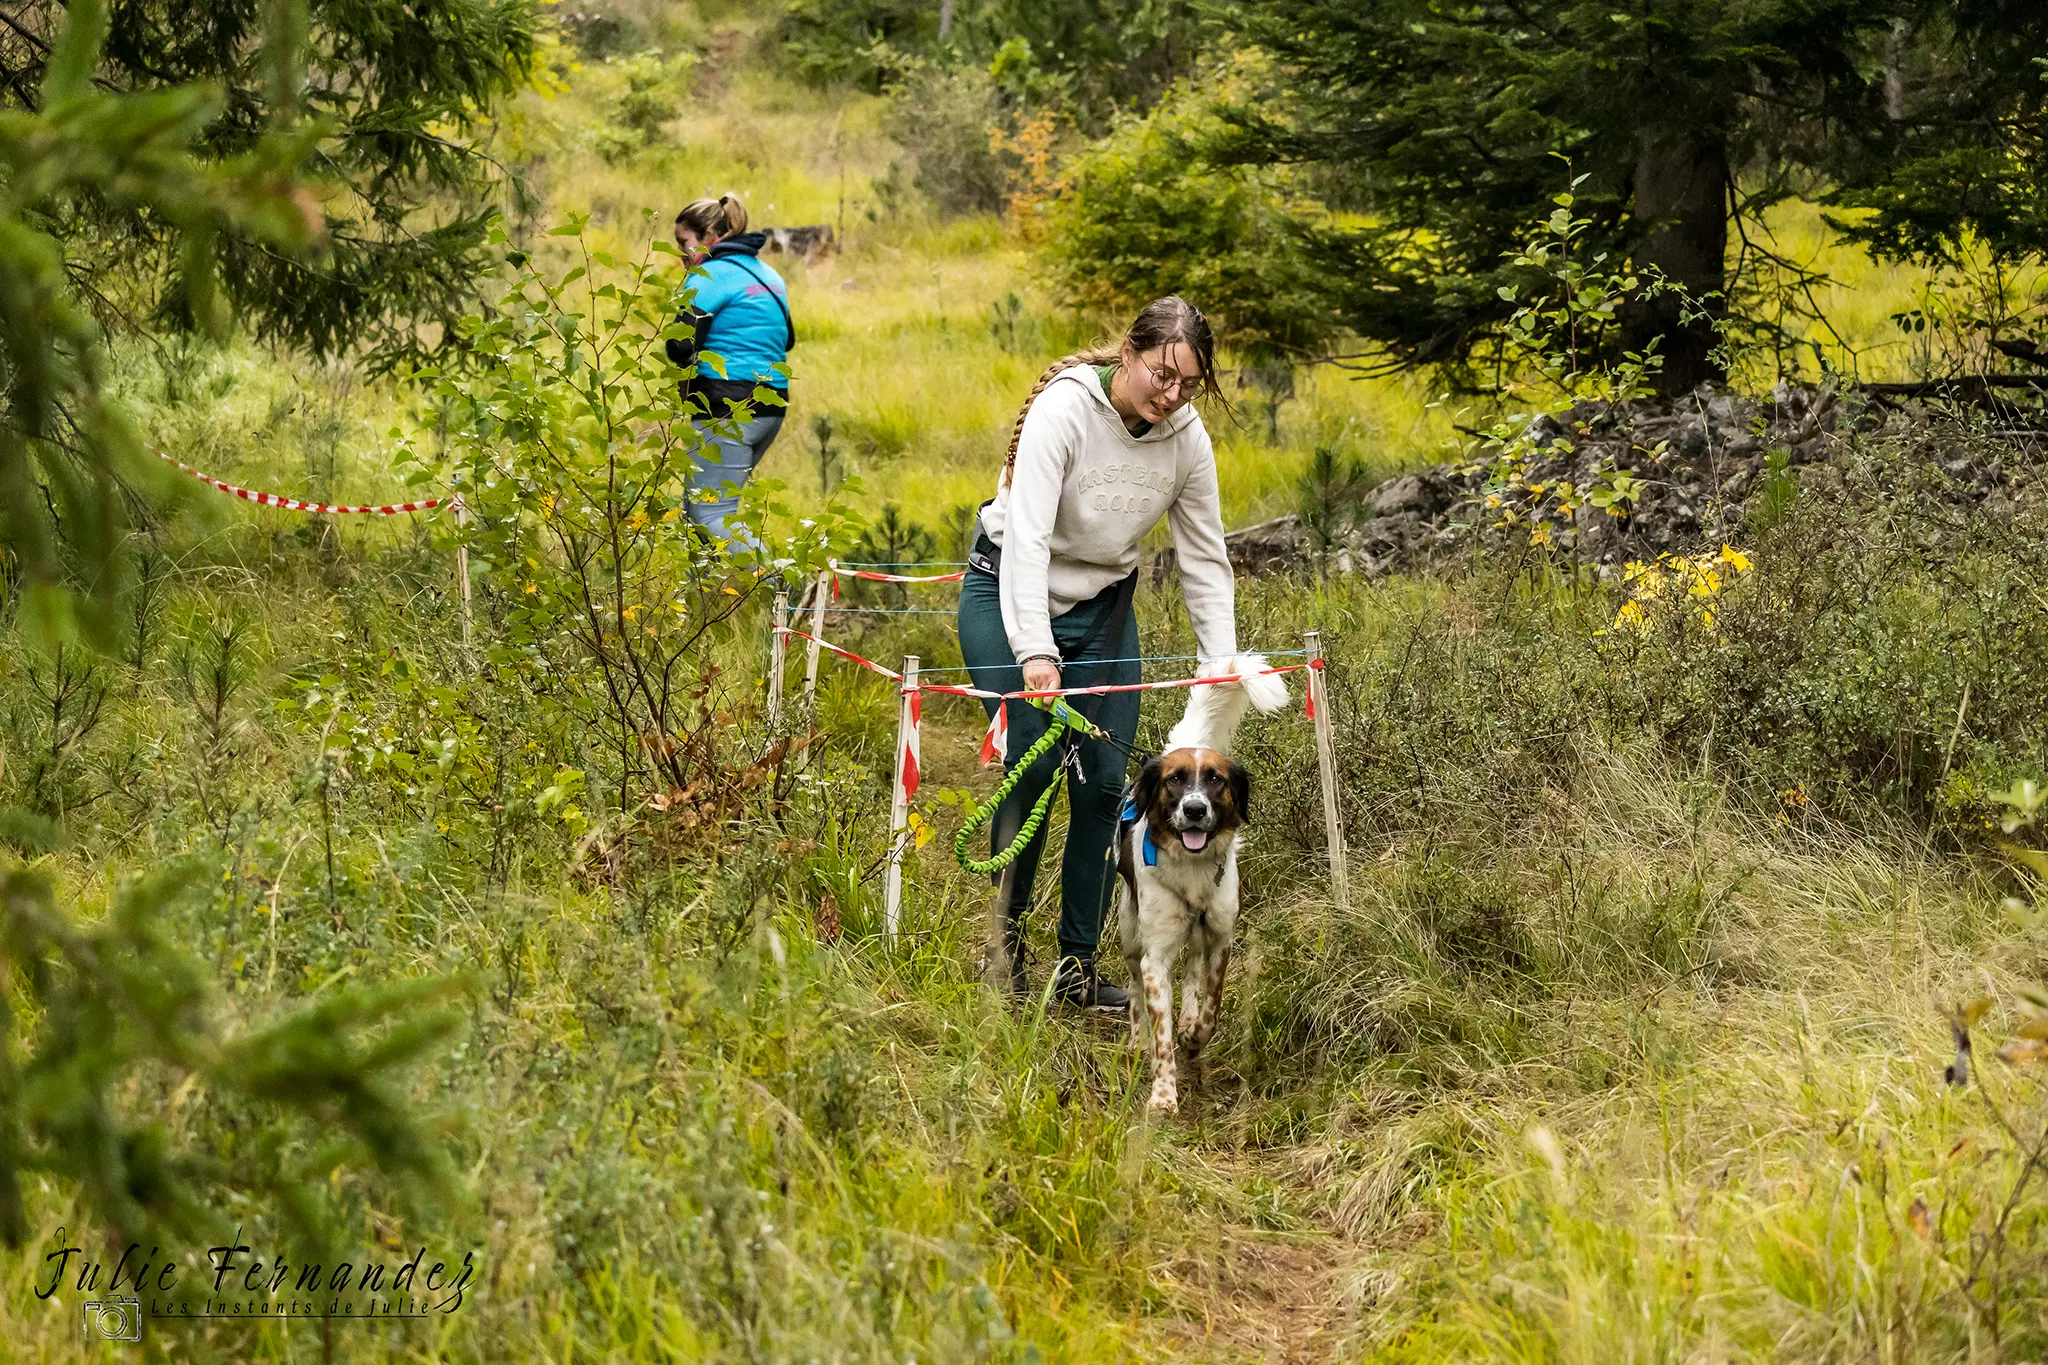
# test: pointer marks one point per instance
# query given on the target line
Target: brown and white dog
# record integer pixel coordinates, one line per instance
(1176, 848)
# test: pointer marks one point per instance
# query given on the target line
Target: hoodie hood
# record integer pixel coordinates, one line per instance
(740, 244)
(1085, 376)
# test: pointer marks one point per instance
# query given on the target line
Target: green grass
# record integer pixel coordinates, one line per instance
(1618, 1053)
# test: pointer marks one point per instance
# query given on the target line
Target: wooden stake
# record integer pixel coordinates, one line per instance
(1326, 759)
(820, 590)
(462, 565)
(778, 651)
(899, 805)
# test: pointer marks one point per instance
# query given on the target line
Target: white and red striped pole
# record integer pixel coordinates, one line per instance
(1326, 760)
(778, 653)
(819, 592)
(462, 562)
(904, 785)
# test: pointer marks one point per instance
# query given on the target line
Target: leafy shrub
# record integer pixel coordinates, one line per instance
(1883, 649)
(655, 86)
(1140, 217)
(830, 42)
(574, 456)
(1080, 58)
(942, 115)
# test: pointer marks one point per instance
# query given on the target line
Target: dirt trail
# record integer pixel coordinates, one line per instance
(1260, 1296)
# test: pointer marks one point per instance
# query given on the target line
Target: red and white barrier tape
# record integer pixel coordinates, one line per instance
(911, 761)
(956, 690)
(296, 505)
(1162, 684)
(874, 577)
(996, 742)
(843, 653)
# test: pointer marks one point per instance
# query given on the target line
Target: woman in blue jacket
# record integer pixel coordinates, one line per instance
(739, 312)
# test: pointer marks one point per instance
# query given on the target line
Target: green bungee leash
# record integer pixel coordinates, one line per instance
(1064, 718)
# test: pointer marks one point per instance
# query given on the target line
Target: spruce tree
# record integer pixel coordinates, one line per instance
(397, 89)
(1441, 122)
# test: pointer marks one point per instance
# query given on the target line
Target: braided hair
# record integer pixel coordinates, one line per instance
(1159, 323)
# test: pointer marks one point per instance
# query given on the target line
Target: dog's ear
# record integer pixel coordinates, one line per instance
(1147, 793)
(1240, 790)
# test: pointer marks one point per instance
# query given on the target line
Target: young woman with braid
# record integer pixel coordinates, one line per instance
(1106, 445)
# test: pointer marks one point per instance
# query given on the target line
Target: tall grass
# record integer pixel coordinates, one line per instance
(1619, 1051)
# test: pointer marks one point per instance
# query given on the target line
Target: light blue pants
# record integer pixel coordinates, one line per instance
(723, 468)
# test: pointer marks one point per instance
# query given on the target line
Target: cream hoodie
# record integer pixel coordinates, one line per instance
(1084, 494)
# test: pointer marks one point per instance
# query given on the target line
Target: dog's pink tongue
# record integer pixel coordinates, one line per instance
(1194, 839)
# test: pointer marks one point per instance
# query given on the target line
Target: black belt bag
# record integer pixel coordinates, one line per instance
(986, 556)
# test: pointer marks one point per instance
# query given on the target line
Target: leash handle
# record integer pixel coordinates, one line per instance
(1065, 715)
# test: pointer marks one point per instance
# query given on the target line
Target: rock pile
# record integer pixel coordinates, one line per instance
(1701, 461)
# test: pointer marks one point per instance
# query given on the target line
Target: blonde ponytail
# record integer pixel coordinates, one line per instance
(1098, 356)
(718, 218)
(734, 214)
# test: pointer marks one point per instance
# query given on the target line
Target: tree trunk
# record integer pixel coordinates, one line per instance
(945, 19)
(1681, 199)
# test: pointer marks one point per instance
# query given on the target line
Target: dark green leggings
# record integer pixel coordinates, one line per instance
(1087, 877)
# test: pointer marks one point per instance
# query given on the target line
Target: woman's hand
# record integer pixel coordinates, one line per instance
(1041, 675)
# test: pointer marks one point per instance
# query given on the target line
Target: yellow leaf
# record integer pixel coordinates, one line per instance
(1971, 1013)
(2036, 1027)
(2033, 859)
(1735, 559)
(2026, 1050)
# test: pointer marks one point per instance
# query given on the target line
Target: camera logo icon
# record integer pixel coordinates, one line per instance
(113, 1319)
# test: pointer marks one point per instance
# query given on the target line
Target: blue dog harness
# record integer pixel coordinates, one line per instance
(1129, 816)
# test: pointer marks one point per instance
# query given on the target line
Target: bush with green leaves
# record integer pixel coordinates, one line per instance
(655, 86)
(1084, 59)
(1140, 217)
(942, 114)
(573, 452)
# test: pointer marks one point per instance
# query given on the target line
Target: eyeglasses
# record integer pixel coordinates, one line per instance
(1180, 385)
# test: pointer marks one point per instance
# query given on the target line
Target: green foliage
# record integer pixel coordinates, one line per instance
(96, 1011)
(1084, 58)
(943, 115)
(1558, 351)
(573, 457)
(394, 91)
(654, 87)
(82, 149)
(1328, 494)
(1142, 216)
(892, 539)
(1436, 123)
(828, 456)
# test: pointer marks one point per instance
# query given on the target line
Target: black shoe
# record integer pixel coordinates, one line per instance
(1076, 984)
